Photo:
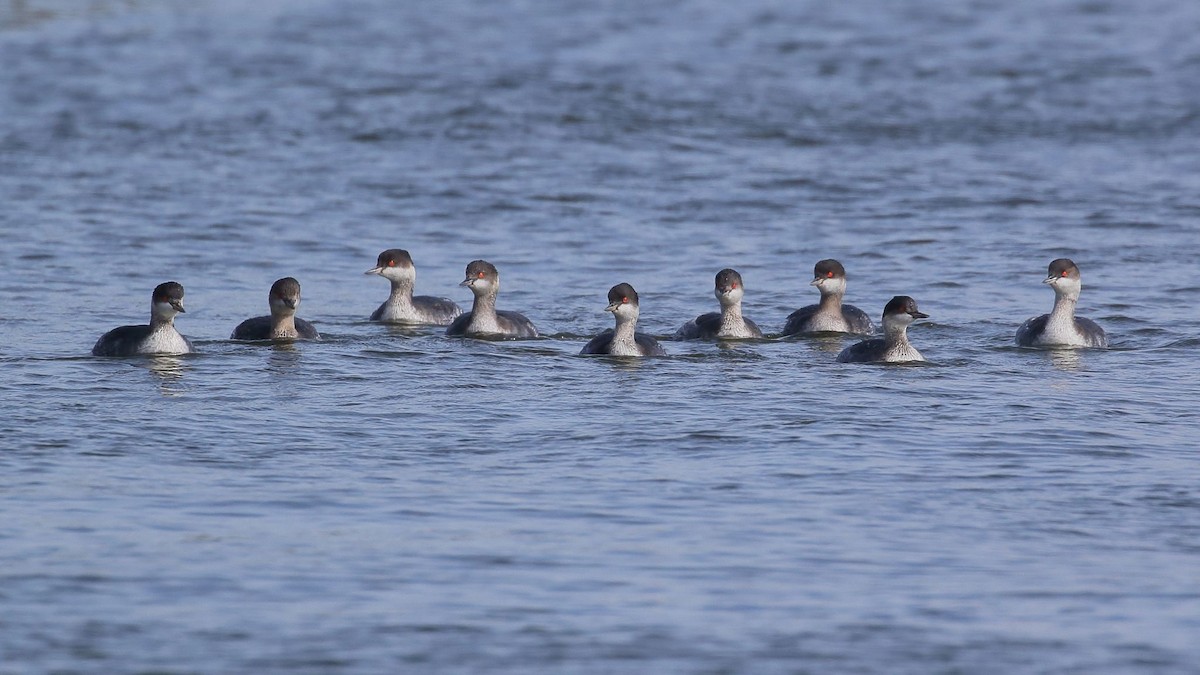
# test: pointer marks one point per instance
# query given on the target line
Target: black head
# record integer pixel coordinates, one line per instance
(902, 304)
(1062, 268)
(481, 269)
(622, 294)
(286, 287)
(728, 280)
(394, 257)
(829, 269)
(287, 291)
(170, 292)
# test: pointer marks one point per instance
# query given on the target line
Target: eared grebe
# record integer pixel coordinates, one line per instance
(160, 337)
(282, 324)
(396, 266)
(831, 316)
(1061, 327)
(625, 340)
(484, 319)
(728, 323)
(894, 346)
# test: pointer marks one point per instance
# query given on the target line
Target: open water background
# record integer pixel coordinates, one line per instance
(388, 501)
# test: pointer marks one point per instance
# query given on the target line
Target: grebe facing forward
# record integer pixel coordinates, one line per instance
(729, 323)
(402, 306)
(830, 316)
(282, 324)
(625, 340)
(1061, 328)
(159, 337)
(484, 319)
(894, 346)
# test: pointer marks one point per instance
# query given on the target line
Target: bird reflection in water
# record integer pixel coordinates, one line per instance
(168, 370)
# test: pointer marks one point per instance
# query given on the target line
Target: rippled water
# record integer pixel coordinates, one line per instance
(394, 501)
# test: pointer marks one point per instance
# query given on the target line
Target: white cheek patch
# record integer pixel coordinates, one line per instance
(163, 309)
(734, 295)
(1066, 285)
(836, 285)
(397, 273)
(278, 305)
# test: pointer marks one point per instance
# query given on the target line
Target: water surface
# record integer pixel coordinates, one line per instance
(394, 501)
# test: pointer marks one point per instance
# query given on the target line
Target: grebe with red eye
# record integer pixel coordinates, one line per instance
(894, 346)
(484, 319)
(282, 324)
(402, 306)
(1061, 328)
(624, 340)
(729, 322)
(830, 316)
(159, 337)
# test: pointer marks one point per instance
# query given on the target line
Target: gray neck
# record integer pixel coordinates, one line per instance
(283, 324)
(625, 330)
(402, 293)
(731, 318)
(484, 305)
(163, 318)
(832, 301)
(1064, 307)
(895, 333)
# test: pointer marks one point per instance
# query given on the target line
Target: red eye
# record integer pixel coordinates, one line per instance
(733, 286)
(391, 263)
(1066, 272)
(829, 275)
(625, 299)
(480, 275)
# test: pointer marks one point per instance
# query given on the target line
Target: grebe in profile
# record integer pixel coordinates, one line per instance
(1061, 328)
(484, 319)
(282, 324)
(402, 306)
(625, 340)
(894, 346)
(830, 316)
(159, 337)
(728, 323)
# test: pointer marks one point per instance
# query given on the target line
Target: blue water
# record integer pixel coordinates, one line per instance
(389, 500)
